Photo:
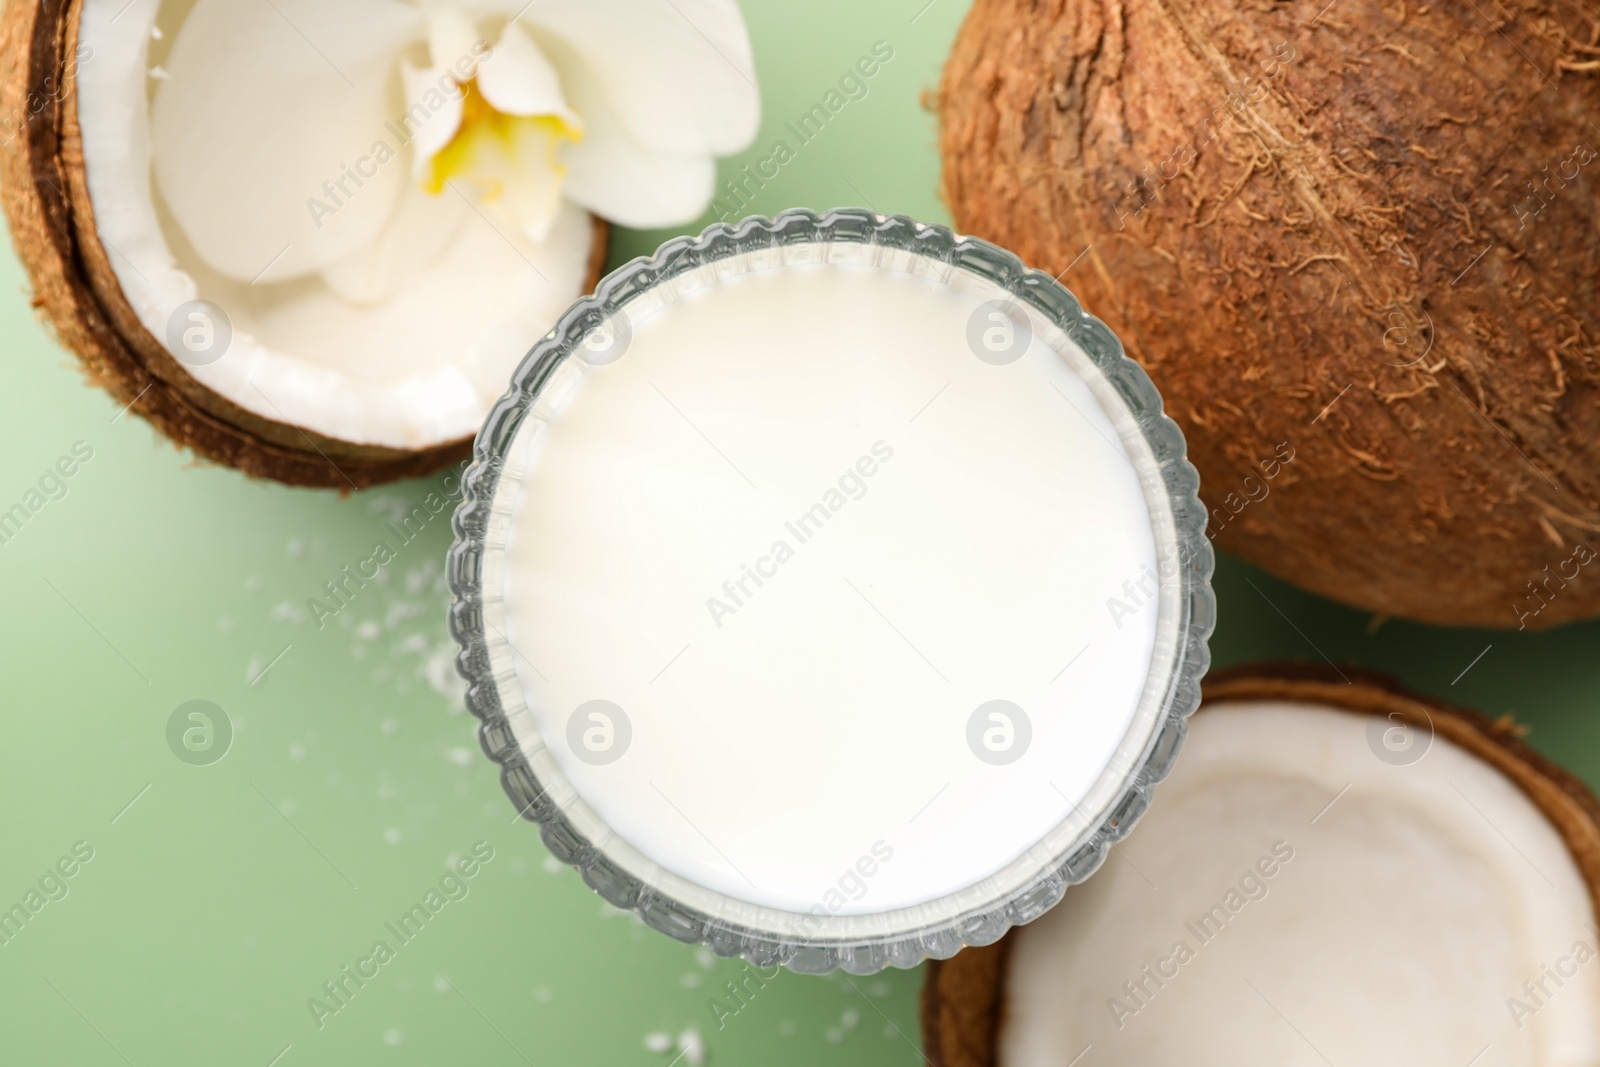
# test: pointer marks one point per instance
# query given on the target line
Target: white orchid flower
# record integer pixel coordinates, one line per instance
(391, 199)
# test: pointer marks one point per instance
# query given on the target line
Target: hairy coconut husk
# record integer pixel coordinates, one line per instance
(963, 997)
(46, 200)
(1312, 223)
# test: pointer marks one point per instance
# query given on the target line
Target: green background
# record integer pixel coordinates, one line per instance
(221, 897)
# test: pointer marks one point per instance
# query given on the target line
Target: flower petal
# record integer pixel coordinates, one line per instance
(267, 103)
(454, 38)
(517, 79)
(678, 73)
(422, 228)
(434, 103)
(616, 177)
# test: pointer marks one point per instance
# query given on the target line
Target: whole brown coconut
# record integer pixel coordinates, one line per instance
(964, 997)
(46, 200)
(1358, 233)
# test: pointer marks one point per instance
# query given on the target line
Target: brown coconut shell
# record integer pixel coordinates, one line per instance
(1312, 224)
(963, 997)
(46, 200)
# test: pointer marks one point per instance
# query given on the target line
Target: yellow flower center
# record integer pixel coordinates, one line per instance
(492, 149)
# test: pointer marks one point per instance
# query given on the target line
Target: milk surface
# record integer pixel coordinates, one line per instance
(771, 569)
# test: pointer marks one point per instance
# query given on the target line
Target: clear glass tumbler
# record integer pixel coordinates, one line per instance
(701, 825)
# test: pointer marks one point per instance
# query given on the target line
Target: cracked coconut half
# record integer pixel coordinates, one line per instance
(312, 241)
(1336, 872)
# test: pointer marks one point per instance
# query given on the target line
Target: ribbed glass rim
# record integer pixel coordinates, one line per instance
(613, 868)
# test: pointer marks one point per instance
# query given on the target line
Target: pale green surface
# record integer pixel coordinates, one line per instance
(206, 918)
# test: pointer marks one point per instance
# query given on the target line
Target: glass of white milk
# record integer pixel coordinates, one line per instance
(832, 589)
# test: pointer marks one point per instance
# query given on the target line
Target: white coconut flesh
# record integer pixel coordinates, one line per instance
(397, 319)
(1292, 899)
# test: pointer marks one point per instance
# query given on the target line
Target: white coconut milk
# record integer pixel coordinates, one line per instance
(765, 567)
